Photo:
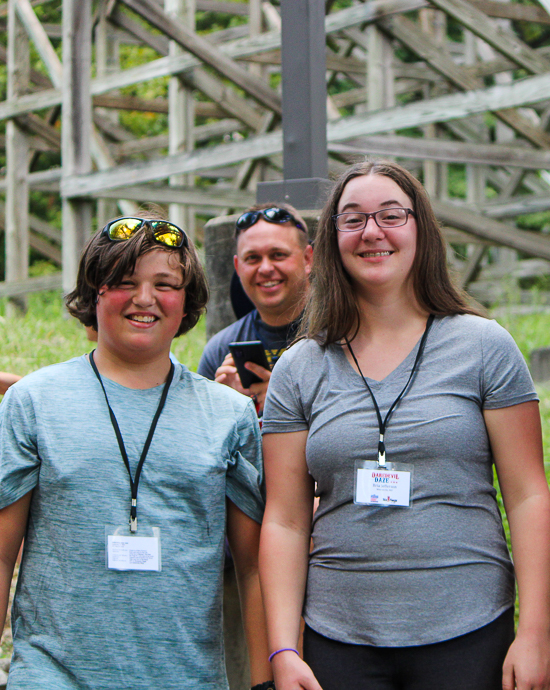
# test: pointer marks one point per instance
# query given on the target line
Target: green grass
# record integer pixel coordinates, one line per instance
(46, 335)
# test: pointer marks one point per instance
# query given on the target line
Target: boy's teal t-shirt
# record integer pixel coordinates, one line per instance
(75, 623)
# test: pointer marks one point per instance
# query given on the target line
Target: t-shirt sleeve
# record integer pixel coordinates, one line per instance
(210, 361)
(283, 409)
(19, 459)
(244, 484)
(506, 378)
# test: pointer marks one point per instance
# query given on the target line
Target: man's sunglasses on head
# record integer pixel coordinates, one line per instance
(163, 231)
(272, 215)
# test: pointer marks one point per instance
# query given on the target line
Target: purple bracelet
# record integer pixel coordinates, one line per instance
(285, 649)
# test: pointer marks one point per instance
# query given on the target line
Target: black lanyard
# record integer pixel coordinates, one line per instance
(382, 425)
(134, 483)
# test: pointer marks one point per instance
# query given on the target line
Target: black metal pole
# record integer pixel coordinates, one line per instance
(304, 107)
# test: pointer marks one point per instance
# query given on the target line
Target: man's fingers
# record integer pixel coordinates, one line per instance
(262, 373)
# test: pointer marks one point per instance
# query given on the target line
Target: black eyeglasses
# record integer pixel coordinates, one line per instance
(272, 215)
(163, 231)
(353, 221)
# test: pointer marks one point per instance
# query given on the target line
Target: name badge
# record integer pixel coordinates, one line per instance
(129, 551)
(387, 486)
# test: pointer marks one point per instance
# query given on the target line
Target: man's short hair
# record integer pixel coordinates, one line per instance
(105, 263)
(303, 238)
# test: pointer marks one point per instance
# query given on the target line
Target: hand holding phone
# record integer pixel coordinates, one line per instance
(248, 351)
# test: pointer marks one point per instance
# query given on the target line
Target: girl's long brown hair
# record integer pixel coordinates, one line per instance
(331, 312)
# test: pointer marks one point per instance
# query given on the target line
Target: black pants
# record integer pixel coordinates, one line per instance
(469, 662)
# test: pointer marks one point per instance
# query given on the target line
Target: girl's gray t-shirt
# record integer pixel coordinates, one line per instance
(390, 576)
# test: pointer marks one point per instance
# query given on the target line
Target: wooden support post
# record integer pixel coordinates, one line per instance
(380, 85)
(107, 62)
(77, 125)
(433, 24)
(181, 117)
(17, 159)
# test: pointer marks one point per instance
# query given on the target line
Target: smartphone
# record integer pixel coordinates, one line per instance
(248, 351)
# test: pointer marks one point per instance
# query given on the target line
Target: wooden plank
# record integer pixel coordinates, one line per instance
(16, 235)
(37, 125)
(41, 100)
(517, 206)
(117, 102)
(446, 151)
(265, 42)
(224, 96)
(200, 79)
(202, 159)
(47, 249)
(236, 8)
(35, 76)
(472, 265)
(440, 60)
(202, 133)
(492, 230)
(41, 41)
(500, 39)
(368, 13)
(441, 109)
(212, 56)
(158, 43)
(512, 10)
(204, 197)
(24, 287)
(77, 125)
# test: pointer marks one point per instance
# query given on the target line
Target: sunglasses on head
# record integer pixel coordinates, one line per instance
(272, 215)
(163, 231)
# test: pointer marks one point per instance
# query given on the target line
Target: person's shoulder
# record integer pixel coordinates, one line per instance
(471, 325)
(229, 333)
(217, 393)
(302, 351)
(59, 373)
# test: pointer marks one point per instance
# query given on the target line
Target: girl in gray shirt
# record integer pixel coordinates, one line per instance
(395, 407)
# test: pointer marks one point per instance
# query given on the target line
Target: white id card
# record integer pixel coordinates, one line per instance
(386, 486)
(127, 551)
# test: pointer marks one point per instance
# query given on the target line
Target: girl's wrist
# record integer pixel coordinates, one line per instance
(283, 649)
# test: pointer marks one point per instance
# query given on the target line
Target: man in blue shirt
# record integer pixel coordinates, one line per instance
(273, 261)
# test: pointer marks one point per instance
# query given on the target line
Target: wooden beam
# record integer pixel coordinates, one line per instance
(472, 265)
(77, 125)
(18, 105)
(24, 287)
(224, 96)
(512, 10)
(202, 133)
(158, 43)
(488, 229)
(447, 151)
(36, 33)
(235, 8)
(265, 42)
(441, 109)
(500, 39)
(440, 60)
(202, 159)
(517, 206)
(200, 79)
(16, 234)
(117, 102)
(37, 125)
(206, 52)
(35, 76)
(204, 197)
